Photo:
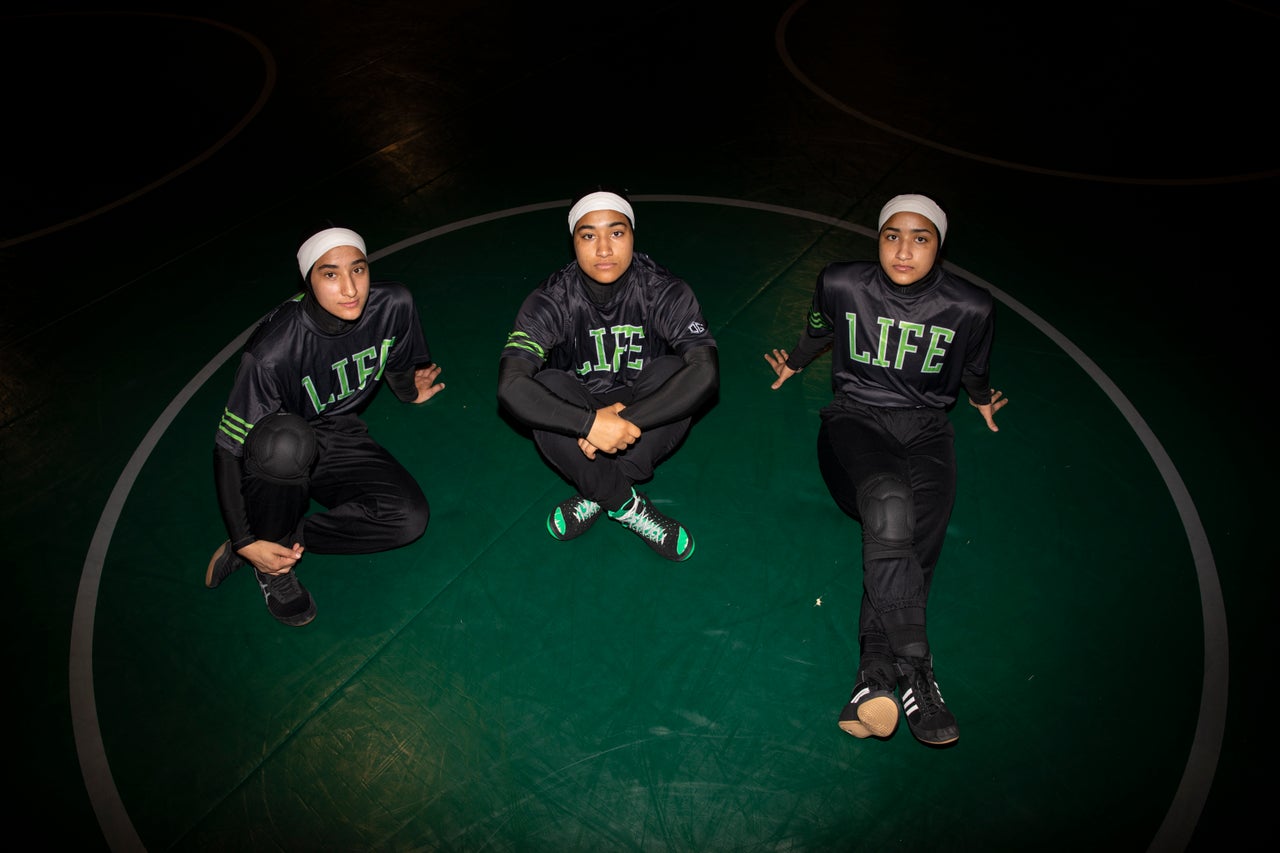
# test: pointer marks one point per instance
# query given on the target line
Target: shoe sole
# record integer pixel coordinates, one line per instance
(299, 620)
(876, 717)
(855, 728)
(217, 555)
(879, 715)
(936, 740)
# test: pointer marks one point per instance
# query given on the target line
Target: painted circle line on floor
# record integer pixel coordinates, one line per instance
(1188, 801)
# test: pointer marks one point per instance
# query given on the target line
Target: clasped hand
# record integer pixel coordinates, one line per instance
(609, 432)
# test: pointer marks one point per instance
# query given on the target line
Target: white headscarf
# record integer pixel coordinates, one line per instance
(920, 204)
(319, 243)
(600, 201)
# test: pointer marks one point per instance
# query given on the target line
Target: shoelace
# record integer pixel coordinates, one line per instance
(927, 694)
(650, 528)
(283, 587)
(584, 509)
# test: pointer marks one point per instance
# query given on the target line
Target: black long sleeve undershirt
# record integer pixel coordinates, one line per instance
(686, 390)
(226, 482)
(537, 406)
(806, 350)
(402, 384)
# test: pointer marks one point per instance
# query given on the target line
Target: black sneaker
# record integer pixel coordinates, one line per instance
(872, 710)
(572, 518)
(927, 714)
(287, 599)
(221, 565)
(663, 534)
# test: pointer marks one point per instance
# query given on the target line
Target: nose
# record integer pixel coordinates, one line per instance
(604, 248)
(348, 286)
(904, 250)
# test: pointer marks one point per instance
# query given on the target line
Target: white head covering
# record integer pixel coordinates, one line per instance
(600, 201)
(319, 243)
(920, 204)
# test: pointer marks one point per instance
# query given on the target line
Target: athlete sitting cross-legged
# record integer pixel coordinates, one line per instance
(291, 431)
(609, 360)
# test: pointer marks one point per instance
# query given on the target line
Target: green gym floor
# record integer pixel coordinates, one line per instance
(1100, 617)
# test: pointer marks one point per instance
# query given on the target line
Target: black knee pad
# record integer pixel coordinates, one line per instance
(281, 449)
(888, 516)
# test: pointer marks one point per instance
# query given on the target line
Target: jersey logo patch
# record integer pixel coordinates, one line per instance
(697, 328)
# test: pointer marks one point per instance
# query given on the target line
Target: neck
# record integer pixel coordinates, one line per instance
(602, 293)
(328, 323)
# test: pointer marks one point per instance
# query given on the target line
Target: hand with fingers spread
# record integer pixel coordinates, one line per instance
(778, 361)
(424, 379)
(988, 410)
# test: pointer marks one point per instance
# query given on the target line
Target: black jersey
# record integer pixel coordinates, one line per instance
(903, 347)
(650, 313)
(291, 365)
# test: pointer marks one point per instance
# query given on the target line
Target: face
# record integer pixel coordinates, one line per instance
(603, 242)
(340, 281)
(908, 247)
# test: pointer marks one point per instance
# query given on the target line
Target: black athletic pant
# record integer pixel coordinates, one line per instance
(608, 476)
(893, 471)
(371, 502)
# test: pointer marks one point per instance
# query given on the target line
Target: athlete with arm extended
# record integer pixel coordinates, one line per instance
(905, 336)
(291, 431)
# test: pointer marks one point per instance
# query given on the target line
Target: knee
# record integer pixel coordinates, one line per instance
(409, 518)
(887, 507)
(281, 448)
(417, 516)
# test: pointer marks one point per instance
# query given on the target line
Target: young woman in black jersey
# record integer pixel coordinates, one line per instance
(906, 336)
(608, 361)
(291, 431)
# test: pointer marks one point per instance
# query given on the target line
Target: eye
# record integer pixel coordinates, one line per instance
(618, 234)
(360, 270)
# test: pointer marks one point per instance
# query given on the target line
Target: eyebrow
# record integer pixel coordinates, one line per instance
(606, 225)
(359, 263)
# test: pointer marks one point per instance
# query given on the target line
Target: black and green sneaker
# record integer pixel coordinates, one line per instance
(287, 599)
(572, 518)
(662, 533)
